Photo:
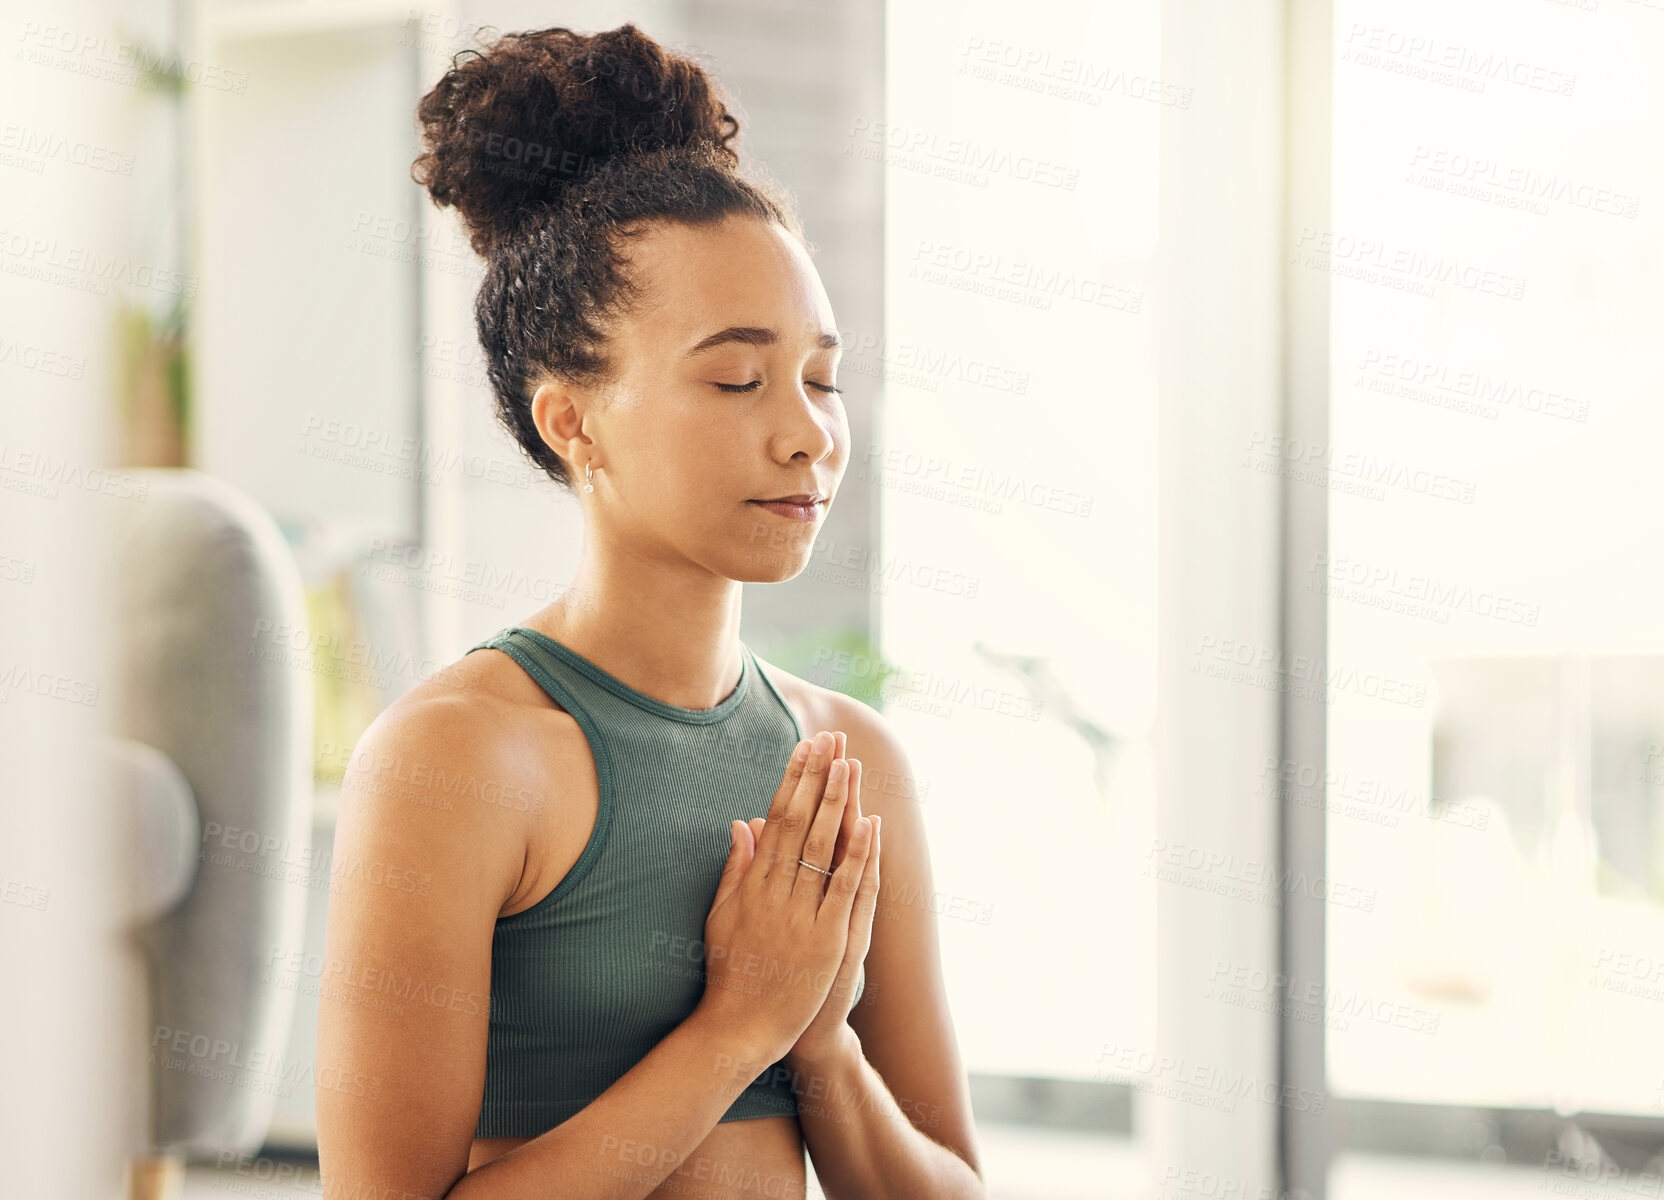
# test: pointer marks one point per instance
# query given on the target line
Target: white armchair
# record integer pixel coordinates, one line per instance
(214, 756)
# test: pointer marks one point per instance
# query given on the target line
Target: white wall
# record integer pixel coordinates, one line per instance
(71, 1108)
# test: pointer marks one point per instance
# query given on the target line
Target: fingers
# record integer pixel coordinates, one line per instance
(739, 857)
(789, 820)
(823, 834)
(866, 899)
(846, 828)
(864, 904)
(847, 880)
(852, 812)
(767, 850)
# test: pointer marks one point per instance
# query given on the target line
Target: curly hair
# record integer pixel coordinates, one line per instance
(555, 148)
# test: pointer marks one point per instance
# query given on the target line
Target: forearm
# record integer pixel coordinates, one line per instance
(659, 1111)
(861, 1140)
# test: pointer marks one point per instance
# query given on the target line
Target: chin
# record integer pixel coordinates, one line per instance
(771, 566)
(771, 550)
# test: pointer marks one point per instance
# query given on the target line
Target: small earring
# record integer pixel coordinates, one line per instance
(589, 474)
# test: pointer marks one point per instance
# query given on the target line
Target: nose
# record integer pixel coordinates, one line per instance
(809, 426)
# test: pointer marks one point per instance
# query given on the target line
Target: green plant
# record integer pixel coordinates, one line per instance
(843, 658)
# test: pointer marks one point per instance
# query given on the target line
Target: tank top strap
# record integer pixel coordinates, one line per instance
(560, 680)
(566, 675)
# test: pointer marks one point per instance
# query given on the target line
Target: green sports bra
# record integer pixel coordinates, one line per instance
(589, 979)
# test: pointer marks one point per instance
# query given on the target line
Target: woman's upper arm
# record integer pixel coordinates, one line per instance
(421, 868)
(906, 1029)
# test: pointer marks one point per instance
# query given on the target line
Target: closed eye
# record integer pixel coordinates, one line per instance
(757, 383)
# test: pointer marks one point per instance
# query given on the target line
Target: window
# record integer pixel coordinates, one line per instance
(1015, 470)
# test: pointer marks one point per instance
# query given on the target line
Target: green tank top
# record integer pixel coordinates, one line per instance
(592, 977)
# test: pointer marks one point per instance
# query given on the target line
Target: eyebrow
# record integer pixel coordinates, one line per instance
(753, 335)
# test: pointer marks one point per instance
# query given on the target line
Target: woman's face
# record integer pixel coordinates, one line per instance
(703, 422)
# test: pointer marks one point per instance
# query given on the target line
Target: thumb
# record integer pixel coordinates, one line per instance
(739, 857)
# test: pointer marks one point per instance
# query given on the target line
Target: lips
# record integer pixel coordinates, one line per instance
(794, 508)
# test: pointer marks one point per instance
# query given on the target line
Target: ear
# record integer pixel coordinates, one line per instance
(558, 409)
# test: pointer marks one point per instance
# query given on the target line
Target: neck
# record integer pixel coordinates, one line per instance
(670, 634)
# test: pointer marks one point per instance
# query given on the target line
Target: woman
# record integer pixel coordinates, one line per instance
(547, 974)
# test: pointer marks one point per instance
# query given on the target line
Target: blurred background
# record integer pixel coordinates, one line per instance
(1253, 531)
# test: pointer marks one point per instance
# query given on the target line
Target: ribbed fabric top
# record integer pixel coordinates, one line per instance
(588, 980)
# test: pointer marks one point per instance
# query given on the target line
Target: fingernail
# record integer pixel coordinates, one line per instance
(800, 751)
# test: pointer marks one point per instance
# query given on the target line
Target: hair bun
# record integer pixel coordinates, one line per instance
(511, 129)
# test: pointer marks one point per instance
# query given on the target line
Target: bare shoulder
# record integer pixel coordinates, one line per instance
(467, 766)
(887, 775)
(810, 703)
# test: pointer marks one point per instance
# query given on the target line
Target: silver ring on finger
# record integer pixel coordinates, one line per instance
(812, 867)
